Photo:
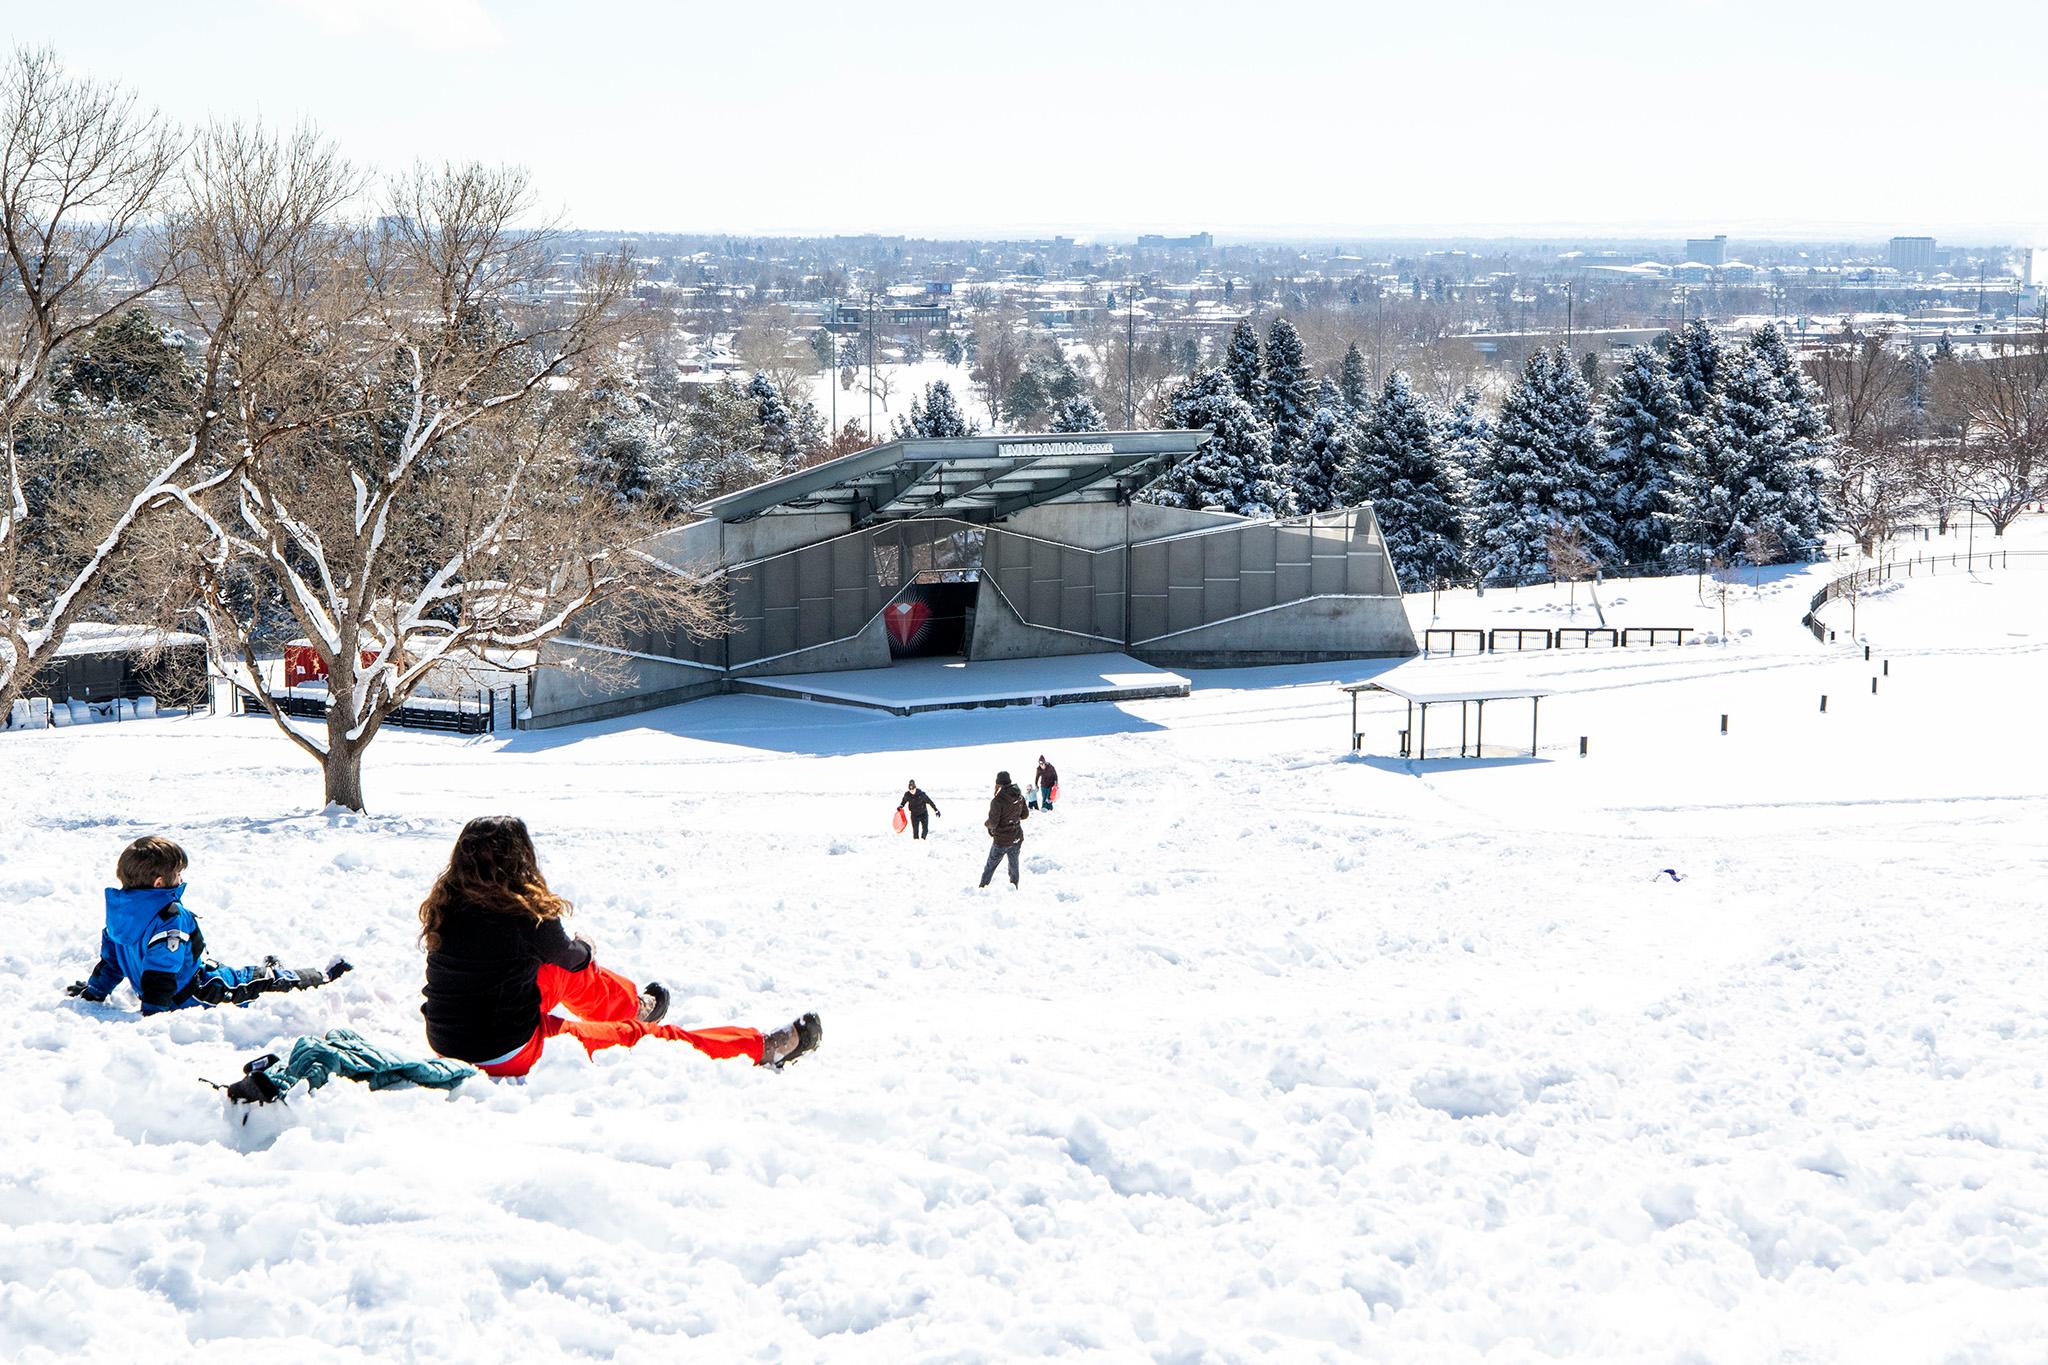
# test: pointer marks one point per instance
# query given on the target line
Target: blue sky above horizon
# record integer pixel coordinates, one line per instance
(1294, 118)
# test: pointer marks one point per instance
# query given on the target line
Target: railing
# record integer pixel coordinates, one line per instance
(472, 713)
(1919, 566)
(1526, 638)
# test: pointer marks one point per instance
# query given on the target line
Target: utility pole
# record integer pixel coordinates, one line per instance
(871, 365)
(1130, 351)
(1567, 315)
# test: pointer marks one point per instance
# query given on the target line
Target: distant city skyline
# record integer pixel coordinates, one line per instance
(1283, 121)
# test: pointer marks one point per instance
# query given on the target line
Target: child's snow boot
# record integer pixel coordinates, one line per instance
(786, 1044)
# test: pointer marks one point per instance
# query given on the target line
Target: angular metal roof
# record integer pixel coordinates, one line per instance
(973, 478)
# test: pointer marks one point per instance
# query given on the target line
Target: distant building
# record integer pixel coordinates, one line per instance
(1912, 255)
(1200, 241)
(1707, 250)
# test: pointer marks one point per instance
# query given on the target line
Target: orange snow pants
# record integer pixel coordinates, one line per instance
(604, 1004)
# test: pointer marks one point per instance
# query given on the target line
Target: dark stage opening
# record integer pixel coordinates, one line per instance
(932, 619)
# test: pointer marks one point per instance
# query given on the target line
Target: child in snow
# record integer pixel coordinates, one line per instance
(1005, 826)
(154, 943)
(499, 962)
(922, 808)
(1043, 781)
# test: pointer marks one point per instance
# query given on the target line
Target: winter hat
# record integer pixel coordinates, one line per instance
(1003, 778)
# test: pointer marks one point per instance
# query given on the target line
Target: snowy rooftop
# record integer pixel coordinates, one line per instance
(1429, 684)
(88, 637)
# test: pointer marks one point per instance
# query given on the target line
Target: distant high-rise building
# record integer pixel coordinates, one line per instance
(1708, 250)
(1912, 255)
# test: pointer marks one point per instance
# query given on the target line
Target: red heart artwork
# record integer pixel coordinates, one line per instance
(907, 622)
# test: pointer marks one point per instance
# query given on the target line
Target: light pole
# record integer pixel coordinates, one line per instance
(1130, 351)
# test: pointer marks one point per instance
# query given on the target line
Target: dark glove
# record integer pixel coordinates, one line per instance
(256, 1087)
(84, 992)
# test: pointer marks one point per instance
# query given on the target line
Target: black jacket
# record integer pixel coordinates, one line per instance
(1006, 817)
(481, 998)
(1046, 776)
(918, 802)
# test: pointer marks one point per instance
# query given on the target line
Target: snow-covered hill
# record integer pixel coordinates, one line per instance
(1279, 1054)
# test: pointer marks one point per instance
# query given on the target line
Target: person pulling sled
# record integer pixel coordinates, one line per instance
(922, 808)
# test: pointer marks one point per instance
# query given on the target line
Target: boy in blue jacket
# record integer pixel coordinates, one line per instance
(153, 943)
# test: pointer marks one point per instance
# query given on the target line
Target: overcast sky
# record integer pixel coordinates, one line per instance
(1263, 117)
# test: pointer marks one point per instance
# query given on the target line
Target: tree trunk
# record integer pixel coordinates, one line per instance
(342, 771)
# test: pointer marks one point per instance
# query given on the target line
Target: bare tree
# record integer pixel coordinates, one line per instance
(1760, 547)
(84, 176)
(1572, 560)
(2002, 400)
(999, 356)
(1867, 383)
(410, 497)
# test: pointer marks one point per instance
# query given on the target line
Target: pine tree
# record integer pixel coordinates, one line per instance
(1077, 413)
(1399, 467)
(1234, 470)
(1543, 474)
(1317, 478)
(1694, 361)
(1644, 429)
(1753, 495)
(1355, 382)
(617, 443)
(1241, 362)
(1288, 409)
(777, 422)
(937, 415)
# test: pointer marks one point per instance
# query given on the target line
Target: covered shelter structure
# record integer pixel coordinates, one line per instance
(985, 548)
(1443, 689)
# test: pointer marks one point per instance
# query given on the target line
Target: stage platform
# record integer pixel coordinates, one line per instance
(915, 685)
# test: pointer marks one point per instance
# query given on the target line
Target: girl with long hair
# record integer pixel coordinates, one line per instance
(499, 964)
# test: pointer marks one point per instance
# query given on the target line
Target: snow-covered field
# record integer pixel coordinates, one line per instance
(1280, 1053)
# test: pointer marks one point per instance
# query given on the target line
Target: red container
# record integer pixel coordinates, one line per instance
(302, 664)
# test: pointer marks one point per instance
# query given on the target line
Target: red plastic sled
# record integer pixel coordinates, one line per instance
(902, 821)
(1055, 793)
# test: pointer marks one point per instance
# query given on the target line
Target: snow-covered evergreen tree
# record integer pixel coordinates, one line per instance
(1754, 495)
(1077, 413)
(1399, 467)
(1467, 432)
(1317, 477)
(1241, 362)
(1234, 471)
(1543, 473)
(1693, 361)
(1354, 382)
(617, 444)
(1644, 429)
(1288, 408)
(936, 415)
(778, 424)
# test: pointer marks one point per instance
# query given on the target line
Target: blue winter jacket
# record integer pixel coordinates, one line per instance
(153, 943)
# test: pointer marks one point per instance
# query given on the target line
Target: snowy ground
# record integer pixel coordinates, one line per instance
(1280, 1054)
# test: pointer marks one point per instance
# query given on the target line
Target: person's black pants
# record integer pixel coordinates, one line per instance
(995, 855)
(920, 824)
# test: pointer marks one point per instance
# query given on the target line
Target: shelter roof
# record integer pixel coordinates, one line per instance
(974, 478)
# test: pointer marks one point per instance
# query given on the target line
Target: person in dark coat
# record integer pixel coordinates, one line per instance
(1005, 824)
(922, 808)
(1043, 781)
(499, 963)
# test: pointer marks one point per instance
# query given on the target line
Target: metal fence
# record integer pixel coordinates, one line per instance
(481, 712)
(1520, 639)
(1919, 566)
